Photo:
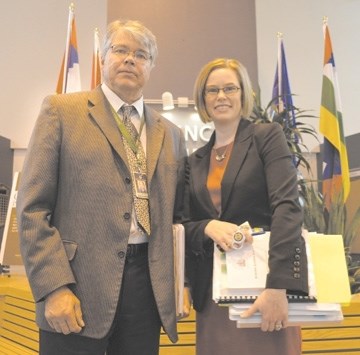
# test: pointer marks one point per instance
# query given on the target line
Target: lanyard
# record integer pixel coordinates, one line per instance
(133, 144)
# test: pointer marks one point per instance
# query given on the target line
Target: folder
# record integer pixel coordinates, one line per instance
(330, 270)
(179, 266)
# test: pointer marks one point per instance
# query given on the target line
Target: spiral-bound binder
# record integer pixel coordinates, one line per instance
(251, 299)
(233, 284)
(322, 306)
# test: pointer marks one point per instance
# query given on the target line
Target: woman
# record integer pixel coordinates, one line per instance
(244, 173)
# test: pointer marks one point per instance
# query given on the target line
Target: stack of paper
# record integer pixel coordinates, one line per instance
(299, 314)
(240, 276)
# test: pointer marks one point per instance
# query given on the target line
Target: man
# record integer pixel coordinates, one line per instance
(99, 266)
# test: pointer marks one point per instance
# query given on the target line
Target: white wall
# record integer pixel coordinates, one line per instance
(301, 25)
(34, 35)
(33, 44)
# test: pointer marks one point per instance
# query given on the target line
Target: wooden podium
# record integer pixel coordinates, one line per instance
(19, 334)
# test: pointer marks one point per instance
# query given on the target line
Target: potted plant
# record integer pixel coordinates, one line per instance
(316, 216)
(290, 119)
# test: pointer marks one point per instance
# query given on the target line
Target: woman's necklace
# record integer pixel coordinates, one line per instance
(221, 156)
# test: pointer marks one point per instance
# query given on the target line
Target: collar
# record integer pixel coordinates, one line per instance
(116, 102)
(244, 130)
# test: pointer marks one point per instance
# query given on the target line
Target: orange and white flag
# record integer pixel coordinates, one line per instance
(69, 77)
(96, 61)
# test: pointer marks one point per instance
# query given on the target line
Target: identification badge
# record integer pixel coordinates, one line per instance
(140, 184)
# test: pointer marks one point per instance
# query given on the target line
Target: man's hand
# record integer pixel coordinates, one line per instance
(273, 306)
(187, 303)
(63, 311)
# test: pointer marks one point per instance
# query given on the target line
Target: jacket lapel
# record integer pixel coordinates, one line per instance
(100, 110)
(240, 149)
(155, 133)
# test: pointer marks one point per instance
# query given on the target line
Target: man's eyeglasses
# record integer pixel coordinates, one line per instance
(139, 55)
(227, 90)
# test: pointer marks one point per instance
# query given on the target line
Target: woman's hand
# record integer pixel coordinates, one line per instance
(222, 233)
(273, 306)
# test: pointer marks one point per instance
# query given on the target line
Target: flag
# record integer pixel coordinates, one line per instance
(69, 77)
(282, 102)
(281, 94)
(336, 177)
(96, 61)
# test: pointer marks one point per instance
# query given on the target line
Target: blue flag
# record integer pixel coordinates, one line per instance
(281, 94)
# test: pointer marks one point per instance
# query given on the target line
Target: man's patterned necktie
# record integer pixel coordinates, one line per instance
(137, 162)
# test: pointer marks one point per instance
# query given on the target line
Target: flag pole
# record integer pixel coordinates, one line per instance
(280, 90)
(68, 36)
(325, 25)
